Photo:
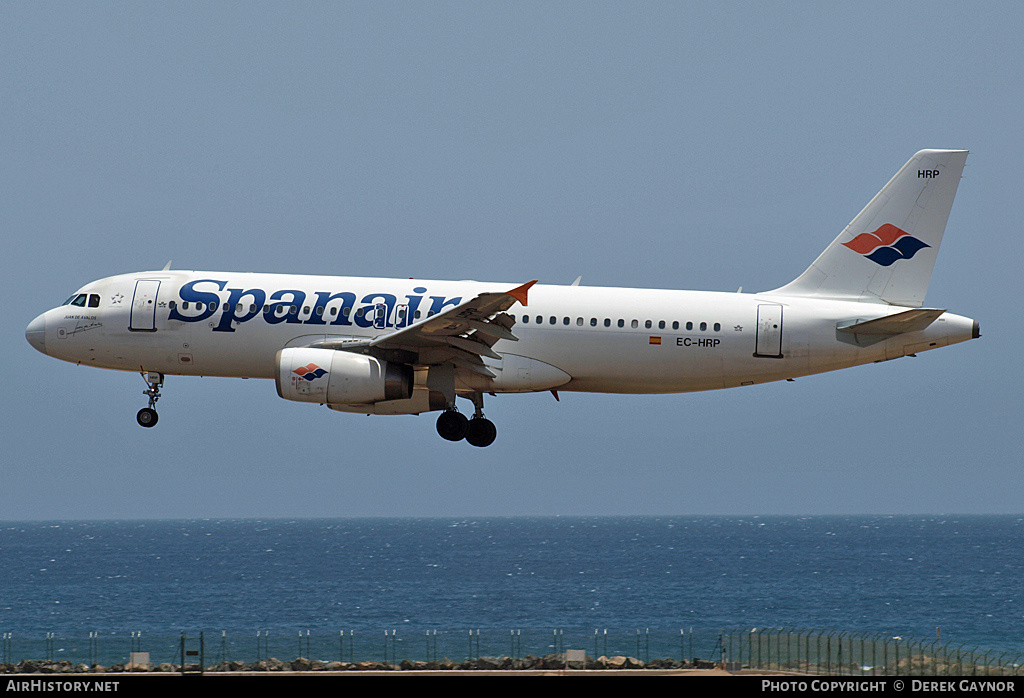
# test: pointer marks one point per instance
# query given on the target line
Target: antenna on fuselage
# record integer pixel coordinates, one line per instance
(167, 266)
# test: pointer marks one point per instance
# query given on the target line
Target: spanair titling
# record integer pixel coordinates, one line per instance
(392, 346)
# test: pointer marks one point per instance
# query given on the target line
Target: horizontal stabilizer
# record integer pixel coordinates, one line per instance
(891, 325)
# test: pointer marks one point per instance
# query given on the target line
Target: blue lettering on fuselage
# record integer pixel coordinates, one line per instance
(201, 299)
(205, 300)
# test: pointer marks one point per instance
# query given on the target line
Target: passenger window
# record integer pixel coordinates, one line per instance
(593, 322)
(689, 325)
(703, 326)
(579, 322)
(718, 327)
(661, 324)
(675, 324)
(634, 324)
(553, 319)
(565, 321)
(607, 322)
(540, 320)
(622, 323)
(647, 324)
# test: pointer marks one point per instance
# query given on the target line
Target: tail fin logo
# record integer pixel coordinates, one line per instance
(310, 372)
(886, 245)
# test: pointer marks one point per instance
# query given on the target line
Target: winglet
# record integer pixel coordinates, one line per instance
(519, 293)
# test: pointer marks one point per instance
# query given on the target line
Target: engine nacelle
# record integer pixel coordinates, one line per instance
(327, 376)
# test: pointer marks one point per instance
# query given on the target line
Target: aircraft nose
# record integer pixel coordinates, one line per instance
(35, 333)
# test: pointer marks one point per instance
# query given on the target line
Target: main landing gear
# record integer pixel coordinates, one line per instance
(147, 416)
(478, 431)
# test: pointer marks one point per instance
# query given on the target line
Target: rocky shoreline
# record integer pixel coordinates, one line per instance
(547, 662)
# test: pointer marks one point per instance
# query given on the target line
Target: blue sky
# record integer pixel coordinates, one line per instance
(669, 145)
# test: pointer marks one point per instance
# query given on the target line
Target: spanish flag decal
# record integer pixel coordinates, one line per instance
(655, 340)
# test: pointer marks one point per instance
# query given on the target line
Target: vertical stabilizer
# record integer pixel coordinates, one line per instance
(887, 253)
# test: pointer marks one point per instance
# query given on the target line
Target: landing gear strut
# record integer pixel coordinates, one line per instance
(478, 431)
(147, 416)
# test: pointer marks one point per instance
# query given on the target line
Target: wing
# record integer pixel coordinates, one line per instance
(462, 335)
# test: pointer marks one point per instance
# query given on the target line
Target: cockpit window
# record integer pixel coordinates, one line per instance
(78, 299)
(94, 300)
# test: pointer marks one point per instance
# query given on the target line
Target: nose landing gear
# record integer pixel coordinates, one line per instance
(147, 416)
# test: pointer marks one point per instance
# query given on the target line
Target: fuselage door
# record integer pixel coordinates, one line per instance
(769, 331)
(143, 317)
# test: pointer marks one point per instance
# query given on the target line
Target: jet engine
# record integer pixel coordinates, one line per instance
(327, 376)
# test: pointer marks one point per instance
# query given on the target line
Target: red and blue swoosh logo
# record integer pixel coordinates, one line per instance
(886, 245)
(310, 372)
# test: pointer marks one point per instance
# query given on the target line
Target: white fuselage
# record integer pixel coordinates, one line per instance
(572, 338)
(407, 346)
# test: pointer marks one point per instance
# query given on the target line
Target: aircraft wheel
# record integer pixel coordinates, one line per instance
(481, 432)
(147, 417)
(452, 425)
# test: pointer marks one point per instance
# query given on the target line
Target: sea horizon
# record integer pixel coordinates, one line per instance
(937, 578)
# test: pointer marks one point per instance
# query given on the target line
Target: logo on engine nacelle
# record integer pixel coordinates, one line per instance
(310, 372)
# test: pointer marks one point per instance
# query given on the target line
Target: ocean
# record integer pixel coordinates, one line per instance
(93, 589)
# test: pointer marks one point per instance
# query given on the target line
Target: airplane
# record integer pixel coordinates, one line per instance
(409, 346)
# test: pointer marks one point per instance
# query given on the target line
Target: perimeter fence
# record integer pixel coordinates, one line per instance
(858, 654)
(798, 651)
